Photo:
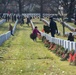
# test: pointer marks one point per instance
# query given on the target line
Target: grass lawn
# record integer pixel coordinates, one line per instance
(22, 56)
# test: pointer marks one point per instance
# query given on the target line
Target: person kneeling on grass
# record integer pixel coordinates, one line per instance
(35, 33)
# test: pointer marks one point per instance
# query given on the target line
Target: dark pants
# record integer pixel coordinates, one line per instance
(52, 33)
(33, 36)
(11, 32)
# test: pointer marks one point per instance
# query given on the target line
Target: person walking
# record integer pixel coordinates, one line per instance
(28, 21)
(53, 27)
(11, 29)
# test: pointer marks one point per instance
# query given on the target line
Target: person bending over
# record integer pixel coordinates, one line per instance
(35, 33)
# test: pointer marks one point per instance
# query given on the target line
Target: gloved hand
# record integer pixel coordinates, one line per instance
(56, 31)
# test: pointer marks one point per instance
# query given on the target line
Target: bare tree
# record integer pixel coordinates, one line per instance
(69, 6)
(4, 4)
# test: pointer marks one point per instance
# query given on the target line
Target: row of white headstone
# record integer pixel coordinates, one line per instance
(64, 43)
(5, 36)
(2, 21)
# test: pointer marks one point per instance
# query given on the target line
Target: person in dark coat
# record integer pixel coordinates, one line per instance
(11, 29)
(70, 37)
(6, 17)
(28, 21)
(53, 27)
(46, 29)
(14, 17)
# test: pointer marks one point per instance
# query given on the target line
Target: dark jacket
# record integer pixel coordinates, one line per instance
(71, 37)
(46, 29)
(10, 27)
(53, 27)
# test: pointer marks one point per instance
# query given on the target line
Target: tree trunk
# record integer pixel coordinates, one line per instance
(71, 11)
(20, 8)
(41, 8)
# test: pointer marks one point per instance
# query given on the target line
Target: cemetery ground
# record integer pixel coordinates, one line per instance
(23, 56)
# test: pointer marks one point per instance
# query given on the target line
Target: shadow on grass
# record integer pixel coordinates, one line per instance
(39, 58)
(46, 58)
(39, 41)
